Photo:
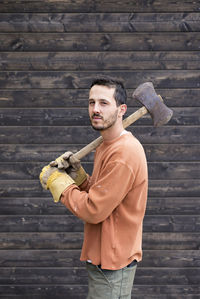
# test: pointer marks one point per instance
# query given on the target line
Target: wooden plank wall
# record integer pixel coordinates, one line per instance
(49, 53)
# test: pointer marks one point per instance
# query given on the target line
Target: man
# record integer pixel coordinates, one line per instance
(112, 201)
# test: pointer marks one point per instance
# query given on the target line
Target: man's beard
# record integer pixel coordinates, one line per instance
(107, 123)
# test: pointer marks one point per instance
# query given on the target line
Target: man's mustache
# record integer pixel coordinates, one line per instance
(96, 115)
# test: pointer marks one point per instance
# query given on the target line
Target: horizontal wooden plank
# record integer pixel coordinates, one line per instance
(80, 291)
(77, 61)
(157, 188)
(147, 276)
(68, 223)
(170, 241)
(174, 170)
(52, 258)
(69, 258)
(98, 22)
(167, 276)
(38, 240)
(170, 258)
(171, 223)
(54, 117)
(35, 98)
(96, 6)
(43, 153)
(34, 223)
(60, 79)
(81, 135)
(157, 170)
(172, 295)
(173, 206)
(79, 117)
(171, 152)
(64, 241)
(156, 41)
(28, 171)
(31, 206)
(46, 206)
(51, 291)
(43, 276)
(70, 295)
(48, 152)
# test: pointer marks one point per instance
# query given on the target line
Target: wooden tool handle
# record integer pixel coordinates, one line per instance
(88, 148)
(134, 116)
(126, 122)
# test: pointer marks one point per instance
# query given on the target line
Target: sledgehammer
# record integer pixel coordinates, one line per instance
(152, 103)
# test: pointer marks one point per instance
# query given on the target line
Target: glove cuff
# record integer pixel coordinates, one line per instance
(43, 174)
(81, 176)
(57, 183)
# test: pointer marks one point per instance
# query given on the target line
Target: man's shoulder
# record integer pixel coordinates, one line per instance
(128, 148)
(129, 141)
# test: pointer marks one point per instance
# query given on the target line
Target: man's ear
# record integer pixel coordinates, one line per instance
(123, 109)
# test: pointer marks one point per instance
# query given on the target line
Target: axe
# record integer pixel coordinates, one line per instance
(152, 103)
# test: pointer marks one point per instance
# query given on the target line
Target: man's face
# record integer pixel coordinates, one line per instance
(103, 110)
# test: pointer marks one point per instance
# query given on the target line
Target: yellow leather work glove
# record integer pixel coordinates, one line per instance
(55, 180)
(73, 167)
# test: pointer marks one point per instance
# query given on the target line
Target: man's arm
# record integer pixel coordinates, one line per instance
(103, 196)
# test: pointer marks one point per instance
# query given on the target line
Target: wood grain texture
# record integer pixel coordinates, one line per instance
(68, 98)
(181, 41)
(49, 291)
(30, 205)
(65, 241)
(79, 135)
(157, 170)
(96, 6)
(99, 22)
(70, 223)
(60, 79)
(80, 61)
(69, 275)
(79, 117)
(65, 258)
(157, 188)
(43, 153)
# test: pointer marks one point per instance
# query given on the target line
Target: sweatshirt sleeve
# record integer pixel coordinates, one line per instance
(103, 196)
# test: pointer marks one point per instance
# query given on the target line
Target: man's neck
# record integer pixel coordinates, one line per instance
(112, 133)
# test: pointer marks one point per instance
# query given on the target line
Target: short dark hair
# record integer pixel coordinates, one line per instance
(120, 92)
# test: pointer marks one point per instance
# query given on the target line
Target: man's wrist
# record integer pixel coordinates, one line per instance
(57, 183)
(81, 176)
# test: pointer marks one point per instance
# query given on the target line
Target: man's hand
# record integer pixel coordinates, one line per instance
(46, 172)
(65, 161)
(72, 165)
(55, 180)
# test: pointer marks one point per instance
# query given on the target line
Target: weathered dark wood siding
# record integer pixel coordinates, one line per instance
(49, 53)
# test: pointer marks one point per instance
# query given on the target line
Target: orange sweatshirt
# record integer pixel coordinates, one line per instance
(112, 203)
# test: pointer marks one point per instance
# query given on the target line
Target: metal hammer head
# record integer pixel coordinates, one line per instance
(145, 94)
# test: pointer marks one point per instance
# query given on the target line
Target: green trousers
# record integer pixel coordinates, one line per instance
(110, 284)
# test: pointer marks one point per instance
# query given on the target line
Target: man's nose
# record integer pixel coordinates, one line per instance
(96, 108)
